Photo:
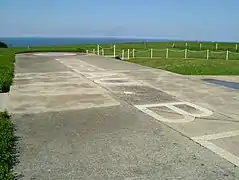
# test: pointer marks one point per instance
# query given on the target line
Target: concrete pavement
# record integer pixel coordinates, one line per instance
(3, 101)
(90, 117)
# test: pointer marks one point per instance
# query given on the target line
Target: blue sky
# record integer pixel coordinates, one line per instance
(171, 19)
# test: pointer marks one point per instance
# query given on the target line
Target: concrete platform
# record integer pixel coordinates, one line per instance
(3, 101)
(90, 117)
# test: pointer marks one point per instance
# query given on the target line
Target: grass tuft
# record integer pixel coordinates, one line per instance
(7, 142)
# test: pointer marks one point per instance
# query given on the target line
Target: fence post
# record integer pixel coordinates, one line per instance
(173, 45)
(87, 51)
(208, 54)
(114, 50)
(216, 46)
(102, 52)
(133, 53)
(186, 44)
(185, 54)
(200, 45)
(98, 49)
(94, 51)
(122, 57)
(151, 53)
(167, 53)
(128, 54)
(236, 47)
(227, 55)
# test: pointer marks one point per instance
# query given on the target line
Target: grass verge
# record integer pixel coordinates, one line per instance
(6, 68)
(7, 141)
(192, 66)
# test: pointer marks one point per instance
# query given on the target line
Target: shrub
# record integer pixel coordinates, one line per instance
(3, 45)
(117, 57)
(7, 141)
(81, 50)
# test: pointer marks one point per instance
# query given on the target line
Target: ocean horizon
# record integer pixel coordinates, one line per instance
(49, 41)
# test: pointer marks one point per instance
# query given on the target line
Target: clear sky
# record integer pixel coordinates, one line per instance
(216, 20)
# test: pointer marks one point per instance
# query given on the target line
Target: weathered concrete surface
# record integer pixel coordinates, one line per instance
(223, 78)
(3, 101)
(89, 117)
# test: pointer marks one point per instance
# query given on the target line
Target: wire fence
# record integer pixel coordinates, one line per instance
(168, 53)
(214, 46)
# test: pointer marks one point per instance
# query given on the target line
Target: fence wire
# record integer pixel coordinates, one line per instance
(170, 53)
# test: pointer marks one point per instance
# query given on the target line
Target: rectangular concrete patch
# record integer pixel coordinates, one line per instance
(37, 104)
(82, 87)
(4, 98)
(39, 65)
(141, 94)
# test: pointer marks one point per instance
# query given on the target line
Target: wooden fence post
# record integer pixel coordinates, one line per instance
(151, 53)
(227, 55)
(208, 54)
(167, 50)
(185, 53)
(122, 54)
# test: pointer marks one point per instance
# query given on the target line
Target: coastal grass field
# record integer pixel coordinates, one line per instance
(195, 64)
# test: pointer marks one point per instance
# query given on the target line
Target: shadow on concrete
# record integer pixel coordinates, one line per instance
(232, 85)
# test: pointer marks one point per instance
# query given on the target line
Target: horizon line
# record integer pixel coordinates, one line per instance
(121, 37)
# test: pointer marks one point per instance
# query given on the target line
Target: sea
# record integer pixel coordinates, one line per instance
(49, 41)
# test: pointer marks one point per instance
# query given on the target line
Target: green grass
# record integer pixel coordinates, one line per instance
(175, 63)
(7, 141)
(221, 46)
(180, 54)
(192, 66)
(6, 68)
